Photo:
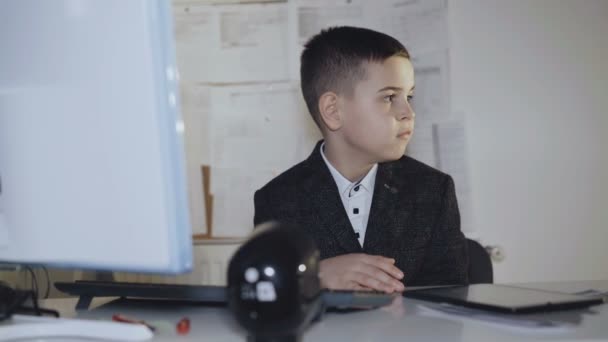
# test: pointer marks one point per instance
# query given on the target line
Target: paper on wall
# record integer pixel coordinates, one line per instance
(420, 25)
(231, 43)
(255, 126)
(233, 191)
(452, 158)
(195, 104)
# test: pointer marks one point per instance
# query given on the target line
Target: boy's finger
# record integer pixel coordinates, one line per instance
(385, 264)
(358, 287)
(379, 274)
(372, 282)
(367, 281)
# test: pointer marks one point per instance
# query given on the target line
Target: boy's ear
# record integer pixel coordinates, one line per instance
(330, 113)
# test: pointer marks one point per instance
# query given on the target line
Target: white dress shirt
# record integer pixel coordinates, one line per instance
(356, 197)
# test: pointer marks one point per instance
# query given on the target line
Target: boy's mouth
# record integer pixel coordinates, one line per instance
(404, 134)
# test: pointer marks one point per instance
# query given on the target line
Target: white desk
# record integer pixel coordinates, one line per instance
(400, 322)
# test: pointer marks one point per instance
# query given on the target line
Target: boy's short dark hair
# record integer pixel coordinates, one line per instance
(333, 60)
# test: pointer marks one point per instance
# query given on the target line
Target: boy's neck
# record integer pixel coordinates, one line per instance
(350, 165)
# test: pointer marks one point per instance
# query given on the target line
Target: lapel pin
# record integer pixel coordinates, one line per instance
(391, 189)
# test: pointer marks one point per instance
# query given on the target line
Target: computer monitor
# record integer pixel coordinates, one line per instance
(91, 156)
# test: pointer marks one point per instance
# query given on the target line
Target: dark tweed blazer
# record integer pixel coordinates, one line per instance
(414, 217)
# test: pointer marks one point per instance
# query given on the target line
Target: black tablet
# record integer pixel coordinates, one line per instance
(503, 298)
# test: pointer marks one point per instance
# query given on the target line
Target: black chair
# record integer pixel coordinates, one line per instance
(480, 264)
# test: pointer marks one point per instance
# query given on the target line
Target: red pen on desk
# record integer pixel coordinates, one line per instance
(124, 319)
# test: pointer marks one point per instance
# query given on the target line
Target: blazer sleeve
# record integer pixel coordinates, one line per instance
(446, 260)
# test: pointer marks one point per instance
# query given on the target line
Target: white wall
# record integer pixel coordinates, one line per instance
(531, 77)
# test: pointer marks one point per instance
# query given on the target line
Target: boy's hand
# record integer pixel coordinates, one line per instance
(361, 272)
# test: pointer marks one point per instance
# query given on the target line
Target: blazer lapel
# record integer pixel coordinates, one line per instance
(322, 191)
(386, 201)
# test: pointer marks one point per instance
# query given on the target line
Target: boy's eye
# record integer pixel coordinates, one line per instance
(410, 98)
(389, 98)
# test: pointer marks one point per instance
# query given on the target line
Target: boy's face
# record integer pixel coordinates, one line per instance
(378, 120)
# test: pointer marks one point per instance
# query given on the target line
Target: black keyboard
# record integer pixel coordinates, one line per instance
(87, 290)
(203, 294)
(348, 299)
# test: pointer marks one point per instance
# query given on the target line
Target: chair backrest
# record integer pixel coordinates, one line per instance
(480, 264)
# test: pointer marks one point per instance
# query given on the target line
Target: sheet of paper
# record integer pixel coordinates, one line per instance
(256, 126)
(308, 133)
(233, 207)
(517, 324)
(422, 144)
(450, 141)
(196, 36)
(420, 25)
(195, 102)
(428, 97)
(432, 94)
(309, 17)
(231, 43)
(315, 15)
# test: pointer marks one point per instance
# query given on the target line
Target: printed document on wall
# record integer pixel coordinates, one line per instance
(232, 190)
(232, 43)
(420, 25)
(254, 126)
(195, 104)
(452, 159)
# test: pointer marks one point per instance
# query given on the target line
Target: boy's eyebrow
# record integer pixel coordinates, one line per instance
(390, 88)
(394, 88)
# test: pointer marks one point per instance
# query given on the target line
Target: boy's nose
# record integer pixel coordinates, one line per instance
(407, 112)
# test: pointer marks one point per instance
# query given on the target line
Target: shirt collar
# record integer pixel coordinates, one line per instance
(344, 185)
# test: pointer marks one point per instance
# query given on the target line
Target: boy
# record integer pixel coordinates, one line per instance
(381, 220)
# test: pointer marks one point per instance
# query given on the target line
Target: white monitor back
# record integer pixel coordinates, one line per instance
(91, 156)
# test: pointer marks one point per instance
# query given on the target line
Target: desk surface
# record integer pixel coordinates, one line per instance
(405, 319)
